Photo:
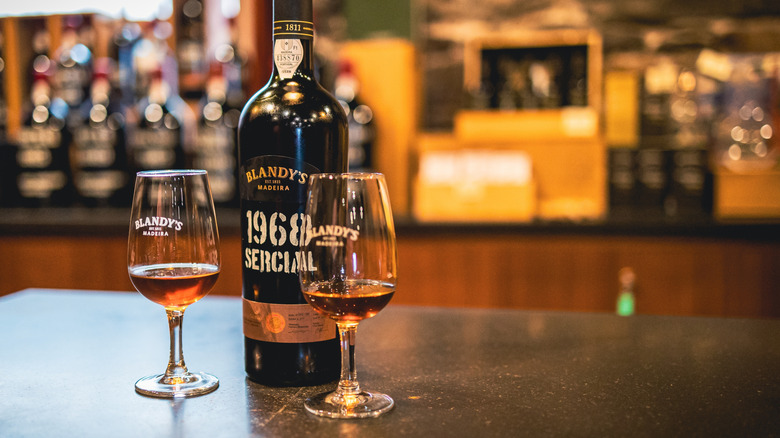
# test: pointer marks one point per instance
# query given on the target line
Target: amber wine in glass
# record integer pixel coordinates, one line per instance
(350, 243)
(173, 260)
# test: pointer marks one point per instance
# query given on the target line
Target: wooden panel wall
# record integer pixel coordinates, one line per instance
(509, 270)
(674, 276)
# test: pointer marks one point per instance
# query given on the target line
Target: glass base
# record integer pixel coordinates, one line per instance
(188, 385)
(336, 405)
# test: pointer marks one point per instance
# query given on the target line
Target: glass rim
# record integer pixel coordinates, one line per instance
(348, 175)
(171, 172)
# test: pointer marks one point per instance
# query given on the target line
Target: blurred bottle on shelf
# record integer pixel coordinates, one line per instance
(690, 180)
(545, 76)
(512, 85)
(622, 181)
(101, 175)
(621, 135)
(691, 108)
(151, 55)
(656, 137)
(745, 133)
(234, 67)
(40, 45)
(360, 119)
(155, 128)
(658, 87)
(3, 103)
(72, 76)
(626, 300)
(42, 152)
(6, 153)
(577, 83)
(190, 48)
(215, 143)
(86, 31)
(480, 95)
(125, 37)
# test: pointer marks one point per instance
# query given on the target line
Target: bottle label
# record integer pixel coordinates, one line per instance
(285, 323)
(215, 152)
(94, 147)
(273, 192)
(99, 184)
(153, 148)
(288, 55)
(41, 184)
(39, 138)
(70, 83)
(275, 178)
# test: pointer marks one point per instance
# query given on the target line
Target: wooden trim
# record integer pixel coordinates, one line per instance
(54, 26)
(12, 74)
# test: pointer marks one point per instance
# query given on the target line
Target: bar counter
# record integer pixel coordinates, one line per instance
(70, 358)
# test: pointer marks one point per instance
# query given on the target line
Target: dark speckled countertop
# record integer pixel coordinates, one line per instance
(69, 359)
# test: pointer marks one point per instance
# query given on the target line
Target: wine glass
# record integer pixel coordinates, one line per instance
(173, 260)
(351, 275)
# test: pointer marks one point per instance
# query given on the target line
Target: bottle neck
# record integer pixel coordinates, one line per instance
(293, 31)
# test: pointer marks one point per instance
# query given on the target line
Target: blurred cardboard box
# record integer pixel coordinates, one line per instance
(460, 184)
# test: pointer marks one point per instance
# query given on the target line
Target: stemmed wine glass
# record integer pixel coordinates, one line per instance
(173, 260)
(350, 242)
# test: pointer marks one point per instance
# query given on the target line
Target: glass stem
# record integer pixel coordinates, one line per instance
(176, 367)
(348, 384)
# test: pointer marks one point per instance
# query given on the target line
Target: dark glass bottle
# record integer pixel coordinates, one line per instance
(100, 168)
(43, 176)
(151, 55)
(190, 49)
(72, 77)
(40, 44)
(215, 144)
(234, 67)
(7, 188)
(155, 128)
(121, 51)
(360, 119)
(288, 130)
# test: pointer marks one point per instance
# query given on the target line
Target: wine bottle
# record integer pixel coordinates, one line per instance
(215, 144)
(360, 119)
(626, 299)
(74, 66)
(121, 50)
(151, 55)
(288, 130)
(155, 128)
(7, 186)
(3, 104)
(100, 168)
(40, 44)
(234, 67)
(191, 53)
(43, 176)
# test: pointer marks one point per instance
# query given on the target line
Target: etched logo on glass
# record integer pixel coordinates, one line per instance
(156, 226)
